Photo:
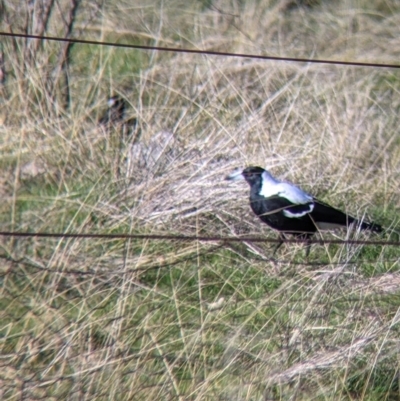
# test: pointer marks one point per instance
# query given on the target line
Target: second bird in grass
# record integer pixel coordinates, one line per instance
(115, 113)
(289, 210)
(114, 116)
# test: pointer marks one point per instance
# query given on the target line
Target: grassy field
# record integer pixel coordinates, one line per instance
(113, 319)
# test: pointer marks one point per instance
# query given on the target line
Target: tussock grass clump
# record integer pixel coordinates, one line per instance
(139, 319)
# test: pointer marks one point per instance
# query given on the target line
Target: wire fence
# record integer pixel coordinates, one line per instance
(225, 239)
(186, 238)
(199, 52)
(215, 238)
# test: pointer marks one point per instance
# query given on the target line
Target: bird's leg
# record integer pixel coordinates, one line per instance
(307, 244)
(279, 244)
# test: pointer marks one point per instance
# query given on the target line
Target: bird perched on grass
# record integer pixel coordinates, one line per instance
(289, 210)
(115, 116)
(116, 111)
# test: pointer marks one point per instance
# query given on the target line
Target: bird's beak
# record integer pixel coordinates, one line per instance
(235, 175)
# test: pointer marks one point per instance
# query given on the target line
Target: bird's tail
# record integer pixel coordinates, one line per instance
(376, 228)
(325, 216)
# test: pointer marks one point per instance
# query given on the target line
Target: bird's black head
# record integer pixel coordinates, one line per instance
(116, 103)
(251, 174)
(115, 112)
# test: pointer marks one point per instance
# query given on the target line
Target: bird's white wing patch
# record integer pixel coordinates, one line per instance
(285, 190)
(299, 214)
(294, 194)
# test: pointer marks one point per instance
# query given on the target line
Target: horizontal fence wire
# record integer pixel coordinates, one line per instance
(199, 238)
(197, 51)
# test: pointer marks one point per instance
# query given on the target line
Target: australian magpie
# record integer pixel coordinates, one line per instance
(289, 210)
(115, 116)
(115, 112)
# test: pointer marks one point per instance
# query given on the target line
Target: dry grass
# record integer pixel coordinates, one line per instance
(95, 319)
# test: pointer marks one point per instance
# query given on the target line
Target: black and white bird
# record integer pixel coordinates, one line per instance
(115, 113)
(289, 210)
(114, 116)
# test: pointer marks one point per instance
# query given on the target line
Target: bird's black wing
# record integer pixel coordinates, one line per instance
(278, 204)
(326, 216)
(282, 215)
